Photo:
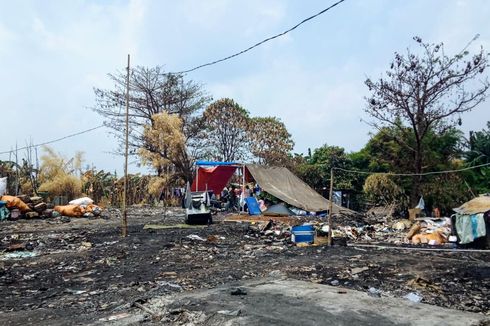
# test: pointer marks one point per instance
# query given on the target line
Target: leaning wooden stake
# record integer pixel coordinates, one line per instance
(330, 209)
(124, 221)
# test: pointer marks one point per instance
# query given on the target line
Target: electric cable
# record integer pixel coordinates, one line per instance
(55, 140)
(259, 43)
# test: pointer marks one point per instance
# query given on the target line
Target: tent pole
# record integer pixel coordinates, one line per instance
(197, 177)
(330, 209)
(243, 188)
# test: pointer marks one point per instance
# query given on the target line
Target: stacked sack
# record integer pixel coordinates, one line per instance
(81, 207)
(26, 206)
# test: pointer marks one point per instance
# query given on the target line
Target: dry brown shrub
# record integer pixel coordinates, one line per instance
(58, 176)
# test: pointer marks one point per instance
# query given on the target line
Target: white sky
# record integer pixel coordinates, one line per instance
(52, 54)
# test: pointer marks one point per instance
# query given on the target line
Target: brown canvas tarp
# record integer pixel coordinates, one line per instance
(284, 185)
(477, 205)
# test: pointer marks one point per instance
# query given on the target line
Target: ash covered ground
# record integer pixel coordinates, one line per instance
(79, 271)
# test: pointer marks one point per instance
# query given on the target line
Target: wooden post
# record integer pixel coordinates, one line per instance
(330, 209)
(124, 221)
(242, 197)
(17, 175)
(197, 178)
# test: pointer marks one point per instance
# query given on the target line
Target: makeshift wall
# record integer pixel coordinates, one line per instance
(215, 178)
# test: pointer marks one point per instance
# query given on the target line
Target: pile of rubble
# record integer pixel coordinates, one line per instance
(425, 231)
(421, 231)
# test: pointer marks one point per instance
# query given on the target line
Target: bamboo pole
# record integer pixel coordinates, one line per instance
(124, 221)
(330, 209)
(17, 176)
(242, 197)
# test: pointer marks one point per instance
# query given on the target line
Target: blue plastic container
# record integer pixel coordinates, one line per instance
(303, 233)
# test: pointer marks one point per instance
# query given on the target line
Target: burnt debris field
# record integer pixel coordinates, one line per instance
(82, 271)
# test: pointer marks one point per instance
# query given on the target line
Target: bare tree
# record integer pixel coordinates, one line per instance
(152, 91)
(227, 124)
(271, 142)
(426, 91)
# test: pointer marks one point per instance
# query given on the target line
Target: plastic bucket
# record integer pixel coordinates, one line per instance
(303, 233)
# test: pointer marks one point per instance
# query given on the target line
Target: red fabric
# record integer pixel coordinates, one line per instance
(216, 178)
(248, 176)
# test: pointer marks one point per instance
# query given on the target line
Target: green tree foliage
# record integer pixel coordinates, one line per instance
(424, 92)
(316, 169)
(100, 186)
(446, 191)
(478, 152)
(384, 152)
(382, 190)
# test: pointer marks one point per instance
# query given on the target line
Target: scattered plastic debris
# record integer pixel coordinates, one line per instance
(414, 297)
(195, 237)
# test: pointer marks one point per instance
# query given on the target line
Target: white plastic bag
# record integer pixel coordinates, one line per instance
(421, 204)
(3, 186)
(84, 201)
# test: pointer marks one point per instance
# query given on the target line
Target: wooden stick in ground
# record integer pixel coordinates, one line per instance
(124, 221)
(330, 209)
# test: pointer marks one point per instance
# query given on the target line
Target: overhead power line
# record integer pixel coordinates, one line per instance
(414, 174)
(199, 67)
(261, 42)
(55, 140)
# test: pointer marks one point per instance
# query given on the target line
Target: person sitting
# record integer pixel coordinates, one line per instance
(225, 194)
(248, 192)
(233, 199)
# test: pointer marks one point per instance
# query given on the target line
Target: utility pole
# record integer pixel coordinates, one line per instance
(330, 209)
(124, 221)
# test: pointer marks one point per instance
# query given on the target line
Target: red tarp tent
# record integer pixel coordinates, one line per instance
(215, 177)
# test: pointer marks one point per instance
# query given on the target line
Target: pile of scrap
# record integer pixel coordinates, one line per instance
(403, 231)
(430, 231)
(378, 214)
(23, 206)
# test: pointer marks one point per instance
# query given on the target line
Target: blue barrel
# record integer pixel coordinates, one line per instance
(303, 233)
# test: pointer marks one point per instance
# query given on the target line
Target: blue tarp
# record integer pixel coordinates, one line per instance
(212, 163)
(253, 206)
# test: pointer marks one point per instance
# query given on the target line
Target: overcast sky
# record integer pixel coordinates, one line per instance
(52, 54)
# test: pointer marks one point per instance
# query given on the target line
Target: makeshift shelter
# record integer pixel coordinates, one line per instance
(284, 185)
(277, 181)
(472, 221)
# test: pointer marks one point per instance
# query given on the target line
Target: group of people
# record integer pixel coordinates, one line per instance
(230, 197)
